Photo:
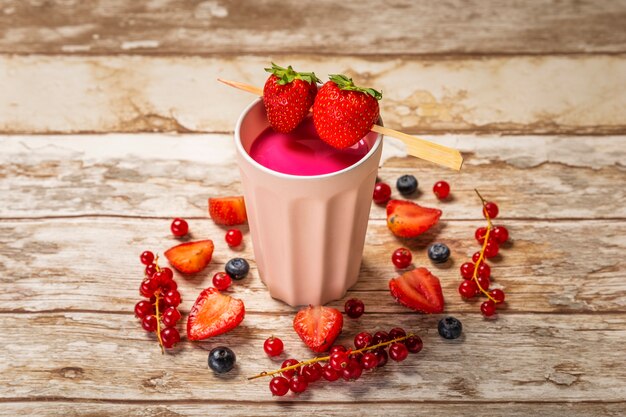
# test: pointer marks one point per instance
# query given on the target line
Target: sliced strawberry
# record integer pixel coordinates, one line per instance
(228, 210)
(407, 219)
(318, 327)
(212, 314)
(419, 290)
(190, 257)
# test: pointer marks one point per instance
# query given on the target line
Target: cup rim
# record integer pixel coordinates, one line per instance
(251, 161)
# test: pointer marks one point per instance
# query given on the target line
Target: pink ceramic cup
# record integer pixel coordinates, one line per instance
(307, 232)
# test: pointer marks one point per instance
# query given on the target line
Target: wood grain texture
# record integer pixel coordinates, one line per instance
(252, 409)
(93, 355)
(513, 95)
(166, 175)
(271, 26)
(91, 264)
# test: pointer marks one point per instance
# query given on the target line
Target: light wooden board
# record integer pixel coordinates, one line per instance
(507, 94)
(349, 27)
(92, 264)
(172, 175)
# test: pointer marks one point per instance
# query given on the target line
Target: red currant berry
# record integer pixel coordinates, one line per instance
(492, 248)
(490, 209)
(354, 308)
(279, 386)
(396, 332)
(338, 361)
(398, 352)
(382, 193)
(169, 337)
(222, 281)
(170, 316)
(501, 234)
(362, 340)
(298, 384)
(179, 227)
(151, 269)
(312, 372)
(233, 237)
(480, 233)
(382, 357)
(380, 337)
(273, 346)
(353, 371)
(290, 372)
(441, 189)
(497, 295)
(142, 309)
(401, 258)
(475, 258)
(484, 282)
(369, 360)
(148, 287)
(488, 308)
(162, 277)
(484, 270)
(172, 298)
(467, 270)
(337, 348)
(149, 323)
(146, 257)
(329, 373)
(414, 343)
(468, 288)
(169, 286)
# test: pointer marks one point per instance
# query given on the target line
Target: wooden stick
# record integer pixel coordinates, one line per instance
(420, 148)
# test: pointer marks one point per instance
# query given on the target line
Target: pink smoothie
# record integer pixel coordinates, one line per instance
(302, 152)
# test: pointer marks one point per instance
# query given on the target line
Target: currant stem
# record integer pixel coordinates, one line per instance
(326, 358)
(481, 258)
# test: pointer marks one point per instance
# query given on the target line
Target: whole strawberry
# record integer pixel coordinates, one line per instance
(343, 113)
(288, 95)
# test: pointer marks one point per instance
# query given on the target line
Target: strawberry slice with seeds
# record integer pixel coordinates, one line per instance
(418, 290)
(228, 211)
(287, 96)
(213, 314)
(407, 219)
(190, 257)
(318, 327)
(343, 113)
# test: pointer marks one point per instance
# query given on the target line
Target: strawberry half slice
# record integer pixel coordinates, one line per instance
(318, 326)
(407, 219)
(228, 211)
(418, 290)
(213, 314)
(190, 257)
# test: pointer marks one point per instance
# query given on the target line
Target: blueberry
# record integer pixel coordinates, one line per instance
(450, 328)
(237, 268)
(406, 184)
(222, 359)
(438, 253)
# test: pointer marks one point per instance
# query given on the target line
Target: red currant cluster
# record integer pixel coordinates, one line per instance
(159, 313)
(370, 352)
(477, 274)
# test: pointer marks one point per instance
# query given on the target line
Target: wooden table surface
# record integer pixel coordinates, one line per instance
(112, 123)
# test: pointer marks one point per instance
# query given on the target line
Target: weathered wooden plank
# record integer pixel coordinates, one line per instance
(272, 26)
(297, 408)
(516, 358)
(93, 264)
(521, 95)
(165, 175)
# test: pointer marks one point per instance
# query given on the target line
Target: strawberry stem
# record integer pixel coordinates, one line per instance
(326, 358)
(288, 75)
(345, 83)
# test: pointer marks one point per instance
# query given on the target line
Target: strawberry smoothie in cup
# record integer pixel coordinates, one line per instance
(308, 206)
